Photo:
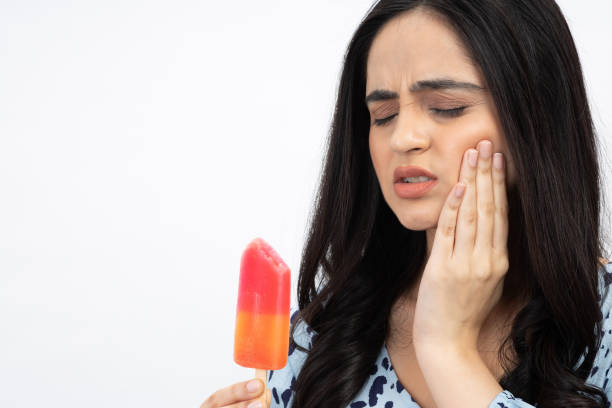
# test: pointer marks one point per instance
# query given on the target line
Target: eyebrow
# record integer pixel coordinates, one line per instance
(436, 83)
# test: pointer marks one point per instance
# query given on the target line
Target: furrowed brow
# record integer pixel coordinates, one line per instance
(429, 84)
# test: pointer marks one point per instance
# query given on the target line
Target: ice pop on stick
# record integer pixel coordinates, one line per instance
(261, 339)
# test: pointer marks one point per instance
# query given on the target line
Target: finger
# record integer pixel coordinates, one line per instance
(500, 233)
(263, 401)
(466, 220)
(445, 231)
(238, 392)
(484, 198)
(248, 404)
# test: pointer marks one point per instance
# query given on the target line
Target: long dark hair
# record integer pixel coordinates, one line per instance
(358, 259)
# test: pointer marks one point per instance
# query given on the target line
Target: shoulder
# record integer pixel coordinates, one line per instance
(605, 279)
(303, 336)
(600, 372)
(382, 387)
(282, 382)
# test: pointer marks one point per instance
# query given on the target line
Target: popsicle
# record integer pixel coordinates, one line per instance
(261, 339)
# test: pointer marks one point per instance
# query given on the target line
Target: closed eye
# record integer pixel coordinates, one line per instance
(449, 112)
(443, 112)
(383, 122)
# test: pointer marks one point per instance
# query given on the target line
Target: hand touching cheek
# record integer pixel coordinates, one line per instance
(463, 278)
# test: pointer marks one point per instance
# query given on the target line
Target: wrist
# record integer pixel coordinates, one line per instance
(445, 350)
(465, 345)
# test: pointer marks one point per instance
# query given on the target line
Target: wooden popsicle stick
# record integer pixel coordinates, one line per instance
(263, 375)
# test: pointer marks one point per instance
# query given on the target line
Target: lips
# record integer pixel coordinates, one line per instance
(402, 172)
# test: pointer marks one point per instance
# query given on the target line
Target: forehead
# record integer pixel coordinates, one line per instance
(417, 45)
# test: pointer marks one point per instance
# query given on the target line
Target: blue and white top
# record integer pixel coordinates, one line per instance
(383, 388)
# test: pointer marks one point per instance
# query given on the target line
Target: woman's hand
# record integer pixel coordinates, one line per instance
(240, 395)
(464, 275)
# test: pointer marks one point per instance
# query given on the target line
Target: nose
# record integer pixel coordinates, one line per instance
(410, 133)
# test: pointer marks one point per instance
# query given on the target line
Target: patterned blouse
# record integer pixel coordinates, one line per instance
(383, 388)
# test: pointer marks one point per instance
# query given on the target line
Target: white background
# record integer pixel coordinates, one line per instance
(143, 144)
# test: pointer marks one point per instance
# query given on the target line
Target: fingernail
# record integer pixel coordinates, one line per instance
(459, 189)
(498, 161)
(256, 404)
(485, 149)
(473, 157)
(253, 386)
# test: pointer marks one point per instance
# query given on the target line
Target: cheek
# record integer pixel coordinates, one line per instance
(378, 155)
(449, 159)
(466, 135)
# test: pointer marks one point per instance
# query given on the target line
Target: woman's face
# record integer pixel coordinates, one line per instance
(417, 46)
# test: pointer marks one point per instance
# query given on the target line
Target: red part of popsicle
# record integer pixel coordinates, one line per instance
(262, 317)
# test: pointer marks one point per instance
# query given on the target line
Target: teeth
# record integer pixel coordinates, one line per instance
(418, 179)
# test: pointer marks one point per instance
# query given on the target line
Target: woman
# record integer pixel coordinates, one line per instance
(482, 284)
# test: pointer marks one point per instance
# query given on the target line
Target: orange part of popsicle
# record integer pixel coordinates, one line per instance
(262, 317)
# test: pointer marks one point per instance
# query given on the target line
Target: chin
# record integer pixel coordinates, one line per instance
(416, 223)
(417, 216)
